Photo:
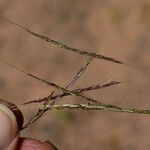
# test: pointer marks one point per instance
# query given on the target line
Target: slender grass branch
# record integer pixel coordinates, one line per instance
(80, 90)
(64, 46)
(79, 73)
(103, 107)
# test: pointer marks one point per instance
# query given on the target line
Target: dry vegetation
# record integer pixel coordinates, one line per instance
(122, 31)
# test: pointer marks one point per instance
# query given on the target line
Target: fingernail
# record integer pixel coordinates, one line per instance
(10, 124)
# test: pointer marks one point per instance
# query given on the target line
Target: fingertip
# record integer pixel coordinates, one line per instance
(31, 144)
(9, 127)
(18, 114)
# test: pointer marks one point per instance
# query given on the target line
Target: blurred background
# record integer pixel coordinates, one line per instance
(114, 28)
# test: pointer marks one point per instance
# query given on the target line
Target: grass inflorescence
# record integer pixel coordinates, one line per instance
(49, 102)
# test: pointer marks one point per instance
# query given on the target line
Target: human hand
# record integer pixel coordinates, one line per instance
(11, 121)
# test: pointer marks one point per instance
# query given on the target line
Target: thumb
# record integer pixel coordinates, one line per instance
(11, 120)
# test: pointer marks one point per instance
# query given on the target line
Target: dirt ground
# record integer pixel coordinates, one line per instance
(114, 28)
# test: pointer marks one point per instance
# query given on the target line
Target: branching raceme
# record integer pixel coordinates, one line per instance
(50, 100)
